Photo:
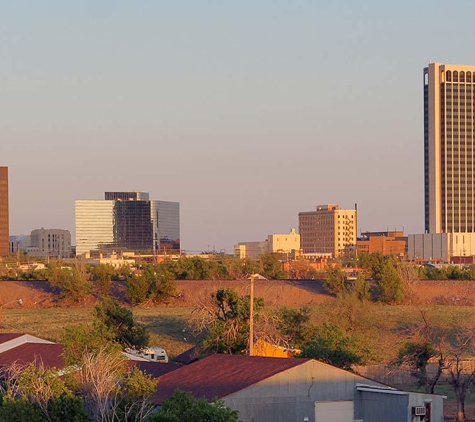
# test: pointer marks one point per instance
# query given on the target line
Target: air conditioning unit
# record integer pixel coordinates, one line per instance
(419, 411)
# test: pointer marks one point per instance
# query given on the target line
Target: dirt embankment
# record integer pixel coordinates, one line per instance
(275, 292)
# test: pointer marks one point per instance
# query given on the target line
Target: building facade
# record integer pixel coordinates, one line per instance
(440, 246)
(53, 243)
(387, 243)
(327, 230)
(275, 243)
(4, 213)
(127, 221)
(449, 148)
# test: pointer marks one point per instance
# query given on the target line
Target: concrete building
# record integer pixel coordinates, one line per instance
(440, 246)
(275, 243)
(127, 221)
(449, 148)
(281, 390)
(4, 213)
(387, 243)
(53, 243)
(327, 230)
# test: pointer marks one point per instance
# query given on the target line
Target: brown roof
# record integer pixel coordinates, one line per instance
(221, 375)
(9, 336)
(50, 354)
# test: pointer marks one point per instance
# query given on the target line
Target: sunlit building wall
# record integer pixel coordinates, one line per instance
(94, 225)
(449, 148)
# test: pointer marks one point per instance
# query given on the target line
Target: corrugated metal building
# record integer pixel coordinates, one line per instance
(305, 390)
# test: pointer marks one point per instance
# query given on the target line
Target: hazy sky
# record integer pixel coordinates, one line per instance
(245, 112)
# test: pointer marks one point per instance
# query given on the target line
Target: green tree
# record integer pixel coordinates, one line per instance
(225, 321)
(120, 321)
(137, 289)
(330, 344)
(416, 355)
(336, 281)
(102, 274)
(390, 287)
(293, 324)
(182, 406)
(81, 338)
(72, 282)
(271, 266)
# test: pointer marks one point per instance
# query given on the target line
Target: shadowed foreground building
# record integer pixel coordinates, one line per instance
(127, 221)
(4, 214)
(295, 389)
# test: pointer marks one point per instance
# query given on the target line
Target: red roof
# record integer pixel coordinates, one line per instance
(50, 354)
(221, 375)
(9, 336)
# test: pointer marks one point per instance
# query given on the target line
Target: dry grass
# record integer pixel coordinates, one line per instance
(166, 325)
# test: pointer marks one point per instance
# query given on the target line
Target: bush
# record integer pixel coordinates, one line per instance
(182, 406)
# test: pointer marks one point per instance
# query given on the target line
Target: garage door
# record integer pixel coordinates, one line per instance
(334, 411)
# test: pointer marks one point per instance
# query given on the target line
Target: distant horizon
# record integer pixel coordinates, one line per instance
(245, 113)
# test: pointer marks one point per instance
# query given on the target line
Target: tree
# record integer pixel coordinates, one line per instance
(102, 274)
(417, 355)
(330, 344)
(461, 375)
(72, 282)
(33, 392)
(389, 284)
(182, 406)
(335, 280)
(110, 391)
(271, 266)
(292, 324)
(90, 338)
(225, 321)
(156, 282)
(120, 321)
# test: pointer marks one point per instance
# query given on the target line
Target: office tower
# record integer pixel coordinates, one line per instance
(127, 221)
(327, 230)
(449, 148)
(4, 216)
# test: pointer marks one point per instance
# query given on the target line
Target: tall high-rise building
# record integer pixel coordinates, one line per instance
(127, 221)
(4, 214)
(327, 230)
(449, 148)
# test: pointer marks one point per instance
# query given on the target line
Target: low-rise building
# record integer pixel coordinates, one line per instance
(386, 242)
(275, 243)
(280, 390)
(440, 246)
(53, 243)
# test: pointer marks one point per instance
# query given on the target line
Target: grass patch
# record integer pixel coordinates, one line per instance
(166, 325)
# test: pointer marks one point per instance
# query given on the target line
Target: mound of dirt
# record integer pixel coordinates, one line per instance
(274, 292)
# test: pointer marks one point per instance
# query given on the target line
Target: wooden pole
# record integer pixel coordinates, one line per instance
(251, 319)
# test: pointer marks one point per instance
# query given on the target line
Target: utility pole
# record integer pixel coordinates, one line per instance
(251, 319)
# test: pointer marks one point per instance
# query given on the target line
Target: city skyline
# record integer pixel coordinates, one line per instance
(246, 114)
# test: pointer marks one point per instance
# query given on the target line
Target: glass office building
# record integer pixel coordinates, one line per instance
(127, 221)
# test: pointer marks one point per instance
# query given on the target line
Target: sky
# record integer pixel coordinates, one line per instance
(245, 112)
